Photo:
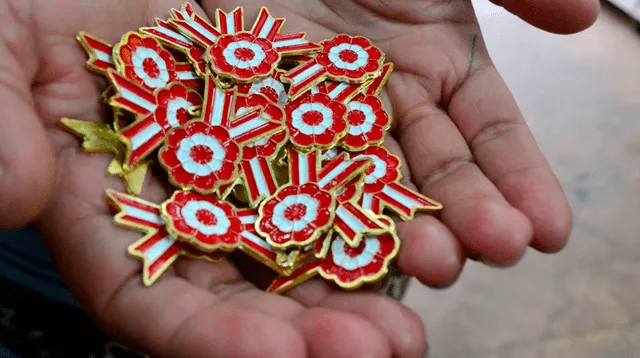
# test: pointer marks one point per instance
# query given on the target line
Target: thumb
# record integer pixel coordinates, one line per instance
(26, 158)
(557, 16)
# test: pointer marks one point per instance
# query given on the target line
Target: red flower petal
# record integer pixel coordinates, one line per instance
(169, 158)
(175, 137)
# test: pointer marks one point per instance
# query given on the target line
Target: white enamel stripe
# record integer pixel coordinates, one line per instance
(218, 107)
(291, 42)
(231, 22)
(310, 72)
(137, 100)
(201, 30)
(172, 34)
(248, 219)
(399, 197)
(351, 220)
(142, 215)
(159, 248)
(187, 75)
(145, 135)
(103, 56)
(266, 28)
(247, 127)
(367, 201)
(338, 90)
(303, 169)
(256, 240)
(259, 176)
(339, 169)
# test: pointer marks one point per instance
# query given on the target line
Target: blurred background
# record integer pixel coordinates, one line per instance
(581, 97)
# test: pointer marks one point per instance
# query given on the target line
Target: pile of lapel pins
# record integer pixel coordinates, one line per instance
(273, 145)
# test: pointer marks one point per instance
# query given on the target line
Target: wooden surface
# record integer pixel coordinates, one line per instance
(581, 96)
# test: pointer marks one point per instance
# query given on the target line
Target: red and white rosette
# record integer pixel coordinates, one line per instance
(203, 155)
(205, 222)
(316, 121)
(200, 157)
(296, 215)
(143, 60)
(238, 54)
(156, 113)
(157, 249)
(368, 123)
(344, 58)
(382, 189)
(243, 57)
(270, 87)
(351, 267)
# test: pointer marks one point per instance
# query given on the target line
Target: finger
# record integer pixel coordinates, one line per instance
(442, 166)
(335, 334)
(169, 319)
(502, 145)
(400, 325)
(27, 161)
(562, 17)
(430, 252)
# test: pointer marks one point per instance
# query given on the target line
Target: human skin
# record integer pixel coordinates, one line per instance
(457, 128)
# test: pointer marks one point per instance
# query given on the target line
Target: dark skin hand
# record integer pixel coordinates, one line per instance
(457, 127)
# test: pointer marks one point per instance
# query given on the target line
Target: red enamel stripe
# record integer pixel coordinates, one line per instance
(129, 95)
(376, 86)
(187, 10)
(153, 269)
(249, 238)
(265, 28)
(187, 76)
(342, 92)
(264, 175)
(261, 131)
(304, 46)
(303, 167)
(123, 201)
(329, 166)
(167, 34)
(98, 52)
(238, 18)
(298, 84)
(217, 104)
(192, 29)
(357, 213)
(395, 205)
(149, 145)
(344, 175)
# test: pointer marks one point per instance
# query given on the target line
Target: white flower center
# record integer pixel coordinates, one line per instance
(201, 154)
(243, 54)
(150, 67)
(348, 56)
(295, 212)
(312, 118)
(274, 90)
(379, 169)
(173, 106)
(344, 257)
(361, 118)
(206, 217)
